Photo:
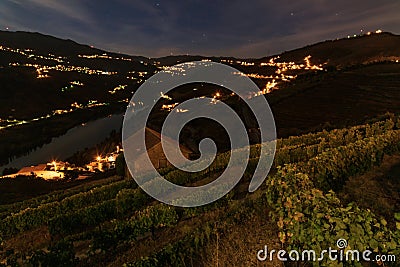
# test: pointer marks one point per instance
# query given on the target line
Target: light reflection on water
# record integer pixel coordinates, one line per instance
(76, 139)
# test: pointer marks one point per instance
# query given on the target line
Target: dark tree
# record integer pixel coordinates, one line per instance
(120, 165)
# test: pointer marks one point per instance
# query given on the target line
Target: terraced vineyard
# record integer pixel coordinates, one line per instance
(115, 223)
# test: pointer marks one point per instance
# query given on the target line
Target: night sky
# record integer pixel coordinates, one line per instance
(229, 28)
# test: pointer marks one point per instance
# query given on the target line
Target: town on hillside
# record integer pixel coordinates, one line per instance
(60, 170)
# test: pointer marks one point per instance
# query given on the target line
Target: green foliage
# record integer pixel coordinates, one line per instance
(130, 200)
(309, 218)
(32, 217)
(331, 168)
(144, 221)
(299, 196)
(179, 253)
(120, 165)
(61, 254)
(6, 210)
(79, 220)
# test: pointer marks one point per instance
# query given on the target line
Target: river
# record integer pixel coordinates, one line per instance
(75, 139)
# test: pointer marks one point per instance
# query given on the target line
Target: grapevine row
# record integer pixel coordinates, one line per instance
(53, 197)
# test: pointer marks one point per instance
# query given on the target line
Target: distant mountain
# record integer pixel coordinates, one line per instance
(375, 47)
(43, 44)
(349, 51)
(343, 52)
(55, 73)
(49, 85)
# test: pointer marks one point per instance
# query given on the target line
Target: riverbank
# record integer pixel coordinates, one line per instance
(74, 139)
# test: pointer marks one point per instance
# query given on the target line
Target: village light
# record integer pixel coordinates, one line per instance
(55, 165)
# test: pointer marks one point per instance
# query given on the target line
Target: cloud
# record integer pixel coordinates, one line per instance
(72, 9)
(239, 28)
(329, 21)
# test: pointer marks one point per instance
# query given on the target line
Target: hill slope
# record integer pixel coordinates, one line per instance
(61, 84)
(376, 47)
(116, 223)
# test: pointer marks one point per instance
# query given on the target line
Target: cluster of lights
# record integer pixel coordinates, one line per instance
(216, 98)
(8, 120)
(77, 83)
(368, 33)
(42, 73)
(169, 107)
(56, 166)
(280, 73)
(74, 106)
(243, 63)
(140, 76)
(14, 123)
(138, 81)
(111, 157)
(179, 110)
(180, 70)
(42, 70)
(72, 85)
(229, 61)
(174, 70)
(237, 62)
(133, 104)
(285, 66)
(94, 103)
(62, 111)
(309, 66)
(105, 56)
(165, 96)
(28, 53)
(254, 75)
(269, 87)
(118, 88)
(126, 100)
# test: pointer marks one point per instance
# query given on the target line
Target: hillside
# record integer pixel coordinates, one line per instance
(341, 53)
(335, 174)
(43, 44)
(115, 223)
(61, 84)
